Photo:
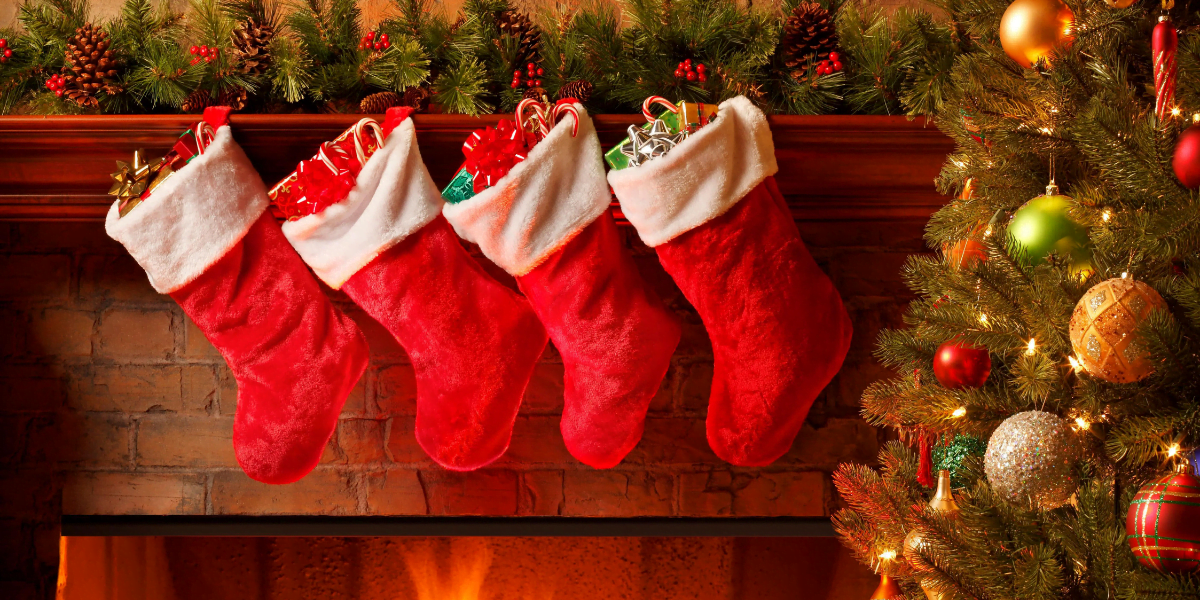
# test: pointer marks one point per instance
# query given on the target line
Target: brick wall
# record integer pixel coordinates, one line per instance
(112, 402)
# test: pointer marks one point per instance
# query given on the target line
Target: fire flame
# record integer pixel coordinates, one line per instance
(459, 574)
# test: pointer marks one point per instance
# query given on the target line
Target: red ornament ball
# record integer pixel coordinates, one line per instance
(958, 365)
(1163, 524)
(1187, 158)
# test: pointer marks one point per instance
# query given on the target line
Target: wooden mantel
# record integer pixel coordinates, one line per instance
(831, 167)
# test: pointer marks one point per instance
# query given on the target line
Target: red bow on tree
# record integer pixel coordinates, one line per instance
(492, 151)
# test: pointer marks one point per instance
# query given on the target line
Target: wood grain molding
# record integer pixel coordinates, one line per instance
(831, 167)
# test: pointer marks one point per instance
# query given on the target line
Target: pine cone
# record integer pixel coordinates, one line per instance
(91, 66)
(233, 97)
(534, 93)
(196, 101)
(580, 90)
(517, 25)
(808, 36)
(252, 46)
(379, 103)
(417, 97)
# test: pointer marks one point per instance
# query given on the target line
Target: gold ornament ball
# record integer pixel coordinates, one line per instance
(1120, 3)
(1031, 29)
(1103, 329)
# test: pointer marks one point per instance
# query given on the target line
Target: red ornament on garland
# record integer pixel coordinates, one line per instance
(1164, 45)
(959, 365)
(1163, 524)
(1186, 161)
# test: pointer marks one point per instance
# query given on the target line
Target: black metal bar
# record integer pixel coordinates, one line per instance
(277, 526)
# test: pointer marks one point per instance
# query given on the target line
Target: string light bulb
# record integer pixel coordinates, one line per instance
(887, 555)
(1173, 451)
(1031, 347)
(1175, 112)
(1082, 423)
(983, 318)
(1074, 363)
(1125, 275)
(1106, 215)
(959, 412)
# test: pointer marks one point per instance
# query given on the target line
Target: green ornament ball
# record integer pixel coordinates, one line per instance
(949, 455)
(1043, 226)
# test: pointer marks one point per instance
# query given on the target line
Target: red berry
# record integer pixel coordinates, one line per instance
(517, 73)
(837, 66)
(702, 77)
(386, 44)
(370, 35)
(213, 52)
(204, 49)
(834, 56)
(700, 68)
(687, 62)
(531, 66)
(691, 76)
(360, 46)
(7, 53)
(383, 38)
(538, 83)
(3, 43)
(378, 45)
(194, 50)
(515, 85)
(58, 93)
(678, 73)
(195, 60)
(541, 71)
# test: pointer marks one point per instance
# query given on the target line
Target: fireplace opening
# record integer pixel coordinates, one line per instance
(458, 568)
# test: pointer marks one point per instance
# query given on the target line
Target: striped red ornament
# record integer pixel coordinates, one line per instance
(1163, 525)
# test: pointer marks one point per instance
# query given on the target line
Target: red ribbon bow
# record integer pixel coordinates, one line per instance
(492, 151)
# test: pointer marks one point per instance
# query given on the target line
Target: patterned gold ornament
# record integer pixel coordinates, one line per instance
(1103, 329)
(1031, 457)
(1031, 29)
(942, 502)
(130, 180)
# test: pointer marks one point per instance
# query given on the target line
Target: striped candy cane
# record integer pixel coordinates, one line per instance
(652, 100)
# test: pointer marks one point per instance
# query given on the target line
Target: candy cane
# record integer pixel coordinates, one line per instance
(565, 108)
(652, 100)
(202, 129)
(539, 115)
(374, 128)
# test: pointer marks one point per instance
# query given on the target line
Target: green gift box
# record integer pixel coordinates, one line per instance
(462, 187)
(692, 114)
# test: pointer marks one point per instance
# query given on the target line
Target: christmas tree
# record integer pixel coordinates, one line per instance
(1048, 370)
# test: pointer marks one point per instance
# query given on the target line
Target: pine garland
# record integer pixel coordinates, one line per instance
(303, 56)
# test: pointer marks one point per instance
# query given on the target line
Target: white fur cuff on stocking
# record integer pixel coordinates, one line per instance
(542, 203)
(392, 198)
(194, 217)
(701, 178)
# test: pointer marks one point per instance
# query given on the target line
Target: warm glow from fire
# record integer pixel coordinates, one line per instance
(460, 575)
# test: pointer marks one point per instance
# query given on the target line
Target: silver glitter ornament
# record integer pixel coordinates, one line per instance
(1031, 456)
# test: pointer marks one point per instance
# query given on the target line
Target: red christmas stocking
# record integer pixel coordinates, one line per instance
(547, 223)
(205, 237)
(779, 332)
(473, 342)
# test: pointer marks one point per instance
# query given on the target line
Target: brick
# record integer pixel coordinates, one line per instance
(165, 440)
(537, 440)
(664, 400)
(705, 494)
(697, 387)
(357, 441)
(35, 276)
(82, 439)
(395, 492)
(60, 332)
(356, 402)
(672, 440)
(199, 389)
(482, 492)
(839, 440)
(694, 342)
(29, 495)
(541, 493)
(402, 446)
(28, 388)
(133, 494)
(544, 394)
(321, 492)
(590, 493)
(397, 390)
(868, 273)
(788, 494)
(195, 345)
(116, 277)
(135, 335)
(127, 389)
